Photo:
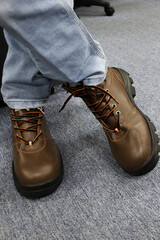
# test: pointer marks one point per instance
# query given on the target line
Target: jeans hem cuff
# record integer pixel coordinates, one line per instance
(93, 81)
(23, 104)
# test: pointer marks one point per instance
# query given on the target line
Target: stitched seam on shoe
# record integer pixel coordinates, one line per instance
(118, 78)
(27, 151)
(120, 139)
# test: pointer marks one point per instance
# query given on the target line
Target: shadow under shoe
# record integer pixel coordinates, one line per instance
(37, 164)
(130, 133)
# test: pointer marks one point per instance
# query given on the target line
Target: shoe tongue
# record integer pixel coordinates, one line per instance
(27, 135)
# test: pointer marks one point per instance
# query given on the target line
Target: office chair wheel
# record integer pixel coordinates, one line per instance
(88, 3)
(109, 11)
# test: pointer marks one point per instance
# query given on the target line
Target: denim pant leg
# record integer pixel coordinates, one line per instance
(23, 85)
(57, 42)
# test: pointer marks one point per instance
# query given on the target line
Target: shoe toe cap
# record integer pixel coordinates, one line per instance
(39, 167)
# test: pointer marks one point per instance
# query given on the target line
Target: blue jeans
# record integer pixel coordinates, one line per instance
(47, 43)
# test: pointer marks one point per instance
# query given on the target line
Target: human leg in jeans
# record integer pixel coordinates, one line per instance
(56, 46)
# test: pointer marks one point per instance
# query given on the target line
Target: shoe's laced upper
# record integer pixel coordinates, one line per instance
(96, 96)
(29, 118)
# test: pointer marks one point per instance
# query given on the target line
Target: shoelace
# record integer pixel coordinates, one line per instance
(30, 117)
(83, 91)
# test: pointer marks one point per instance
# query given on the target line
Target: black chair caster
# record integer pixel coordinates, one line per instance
(88, 3)
(109, 11)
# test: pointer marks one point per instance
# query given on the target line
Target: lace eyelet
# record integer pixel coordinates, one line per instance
(114, 105)
(118, 112)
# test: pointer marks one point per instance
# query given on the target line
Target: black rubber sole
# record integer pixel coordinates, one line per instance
(154, 157)
(38, 191)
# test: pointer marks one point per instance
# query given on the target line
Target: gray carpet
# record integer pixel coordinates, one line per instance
(97, 199)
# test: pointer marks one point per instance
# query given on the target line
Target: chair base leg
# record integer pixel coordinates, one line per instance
(88, 3)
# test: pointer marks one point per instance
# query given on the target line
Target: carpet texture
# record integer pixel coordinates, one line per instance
(97, 200)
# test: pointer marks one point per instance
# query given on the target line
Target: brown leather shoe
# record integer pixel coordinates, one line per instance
(131, 134)
(37, 166)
